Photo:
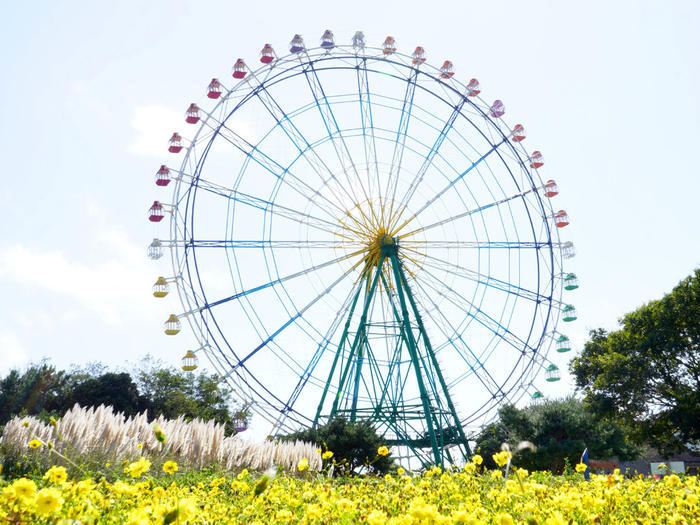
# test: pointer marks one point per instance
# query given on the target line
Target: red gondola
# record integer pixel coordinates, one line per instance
(267, 54)
(192, 115)
(239, 70)
(446, 71)
(214, 89)
(175, 143)
(389, 45)
(536, 160)
(162, 176)
(156, 212)
(518, 133)
(561, 219)
(418, 56)
(473, 88)
(551, 189)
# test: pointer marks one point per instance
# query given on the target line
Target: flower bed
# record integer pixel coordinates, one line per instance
(469, 495)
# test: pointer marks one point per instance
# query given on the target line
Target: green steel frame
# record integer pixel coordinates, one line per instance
(431, 429)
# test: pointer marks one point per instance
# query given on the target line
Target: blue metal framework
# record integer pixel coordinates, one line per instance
(311, 162)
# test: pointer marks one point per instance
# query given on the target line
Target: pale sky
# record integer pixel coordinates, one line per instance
(91, 91)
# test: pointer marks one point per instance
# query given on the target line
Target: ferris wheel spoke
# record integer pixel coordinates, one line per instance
(296, 316)
(480, 278)
(451, 184)
(450, 333)
(369, 141)
(280, 280)
(320, 350)
(400, 143)
(331, 124)
(473, 311)
(277, 170)
(317, 164)
(427, 162)
(266, 206)
(422, 246)
(262, 243)
(480, 209)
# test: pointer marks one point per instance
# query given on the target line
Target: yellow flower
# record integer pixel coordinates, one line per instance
(382, 451)
(477, 459)
(137, 468)
(170, 467)
(522, 473)
(504, 518)
(34, 443)
(672, 480)
(501, 458)
(376, 517)
(581, 467)
(139, 446)
(48, 501)
(400, 471)
(327, 455)
(24, 488)
(138, 517)
(496, 474)
(303, 465)
(56, 475)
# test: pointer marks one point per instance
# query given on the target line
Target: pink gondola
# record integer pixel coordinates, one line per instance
(418, 56)
(473, 88)
(551, 189)
(156, 212)
(497, 109)
(214, 89)
(536, 160)
(239, 69)
(267, 54)
(389, 45)
(192, 115)
(561, 219)
(162, 176)
(518, 133)
(446, 71)
(175, 143)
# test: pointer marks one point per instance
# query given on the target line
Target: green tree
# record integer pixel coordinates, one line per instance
(647, 374)
(31, 392)
(172, 393)
(354, 445)
(559, 430)
(117, 390)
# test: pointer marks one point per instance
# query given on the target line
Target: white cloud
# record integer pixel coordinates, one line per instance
(13, 351)
(154, 125)
(113, 289)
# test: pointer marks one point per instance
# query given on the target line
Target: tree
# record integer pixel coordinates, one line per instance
(30, 392)
(112, 389)
(43, 391)
(354, 444)
(559, 429)
(647, 374)
(172, 393)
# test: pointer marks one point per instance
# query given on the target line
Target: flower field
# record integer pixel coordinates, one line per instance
(143, 495)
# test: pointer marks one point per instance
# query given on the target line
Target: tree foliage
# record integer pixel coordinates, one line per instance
(559, 429)
(647, 374)
(43, 391)
(354, 445)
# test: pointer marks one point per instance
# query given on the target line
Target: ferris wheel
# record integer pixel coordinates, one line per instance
(356, 233)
